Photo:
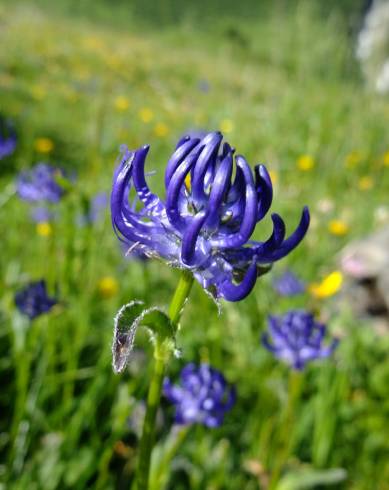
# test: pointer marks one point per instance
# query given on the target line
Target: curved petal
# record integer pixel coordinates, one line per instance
(207, 157)
(295, 238)
(250, 212)
(120, 224)
(236, 292)
(173, 191)
(264, 188)
(150, 200)
(189, 239)
(219, 188)
(178, 156)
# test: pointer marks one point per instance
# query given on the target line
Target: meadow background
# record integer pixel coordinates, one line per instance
(281, 81)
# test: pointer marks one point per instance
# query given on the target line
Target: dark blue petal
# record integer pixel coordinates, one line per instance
(178, 156)
(189, 239)
(250, 212)
(219, 188)
(207, 157)
(236, 292)
(264, 188)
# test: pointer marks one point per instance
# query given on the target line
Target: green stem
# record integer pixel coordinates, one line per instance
(147, 441)
(286, 426)
(160, 472)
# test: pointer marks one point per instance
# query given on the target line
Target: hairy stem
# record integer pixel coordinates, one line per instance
(148, 434)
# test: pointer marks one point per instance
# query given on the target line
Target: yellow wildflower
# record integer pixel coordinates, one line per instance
(82, 73)
(365, 183)
(338, 227)
(38, 92)
(93, 43)
(226, 126)
(274, 176)
(385, 159)
(353, 158)
(44, 229)
(108, 287)
(329, 286)
(161, 130)
(305, 163)
(44, 145)
(121, 103)
(146, 115)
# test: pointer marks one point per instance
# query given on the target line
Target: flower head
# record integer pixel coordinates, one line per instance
(40, 184)
(288, 284)
(208, 218)
(296, 338)
(33, 300)
(7, 139)
(203, 397)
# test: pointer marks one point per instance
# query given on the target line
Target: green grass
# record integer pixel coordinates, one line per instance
(286, 84)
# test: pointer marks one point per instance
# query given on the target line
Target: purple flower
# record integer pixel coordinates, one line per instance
(203, 397)
(297, 338)
(42, 215)
(94, 209)
(98, 205)
(204, 85)
(288, 284)
(7, 139)
(210, 213)
(33, 300)
(39, 184)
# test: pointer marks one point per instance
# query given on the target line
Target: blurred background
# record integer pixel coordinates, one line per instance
(301, 86)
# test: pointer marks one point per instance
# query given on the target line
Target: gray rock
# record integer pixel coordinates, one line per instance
(365, 264)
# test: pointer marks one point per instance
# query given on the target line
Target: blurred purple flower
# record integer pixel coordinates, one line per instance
(204, 86)
(288, 284)
(42, 215)
(206, 223)
(39, 184)
(203, 397)
(296, 338)
(98, 205)
(7, 139)
(95, 209)
(33, 300)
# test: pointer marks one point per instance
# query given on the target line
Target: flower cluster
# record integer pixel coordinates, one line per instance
(7, 139)
(297, 338)
(213, 203)
(288, 284)
(203, 397)
(33, 300)
(40, 184)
